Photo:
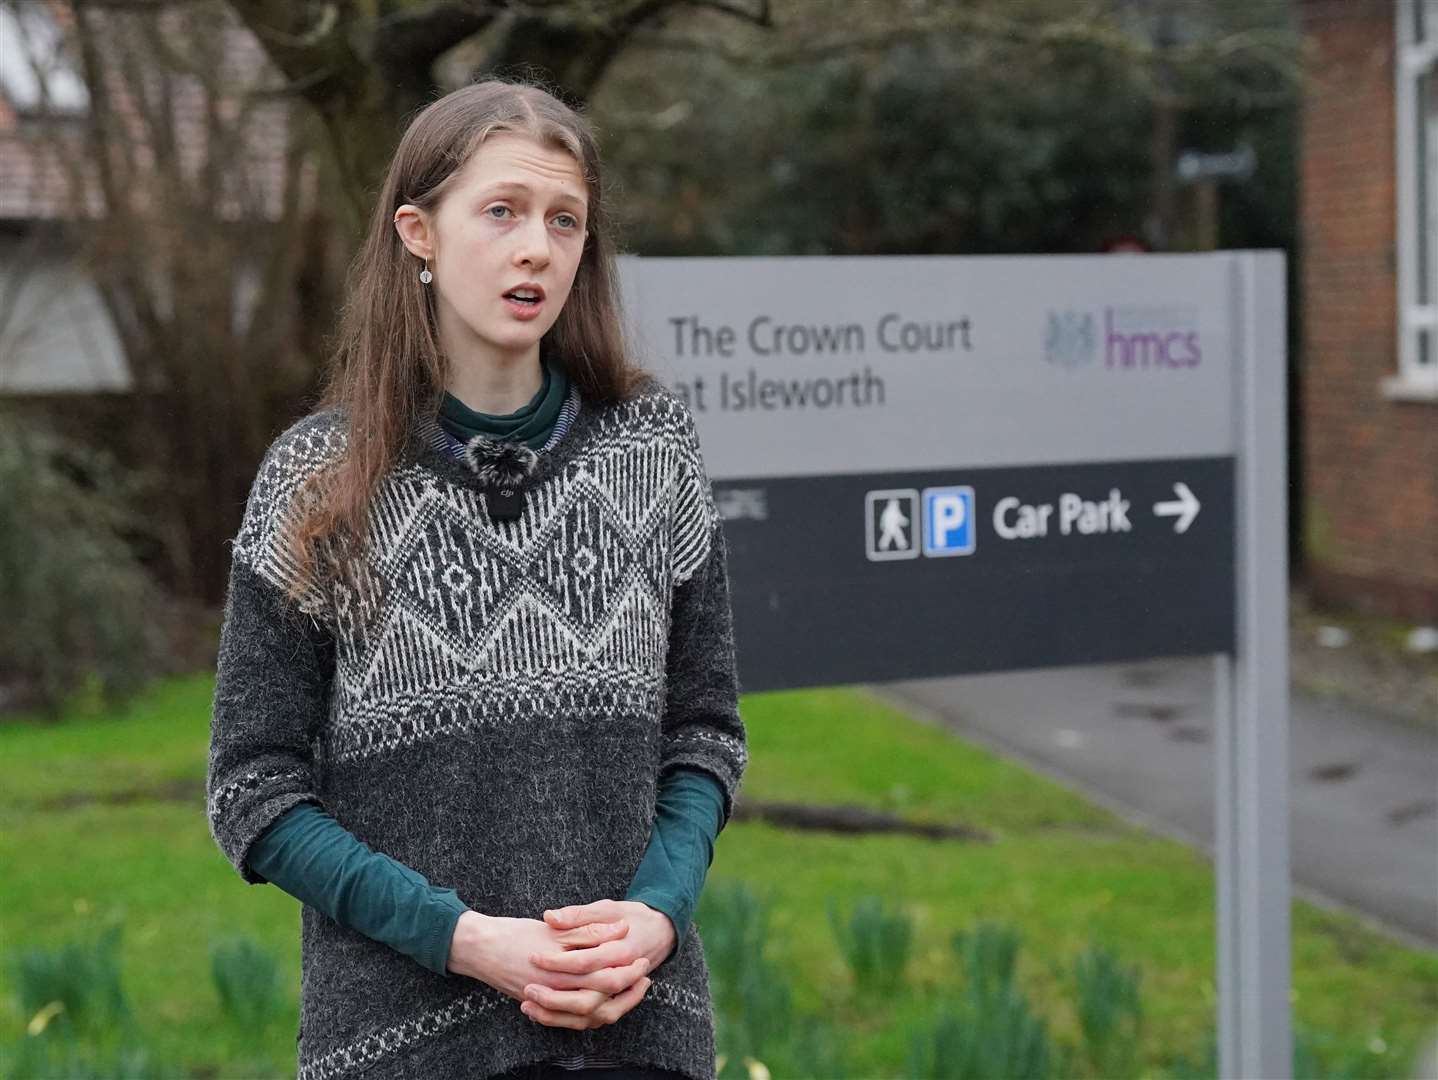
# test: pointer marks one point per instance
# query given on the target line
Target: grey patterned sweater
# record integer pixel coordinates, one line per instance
(492, 707)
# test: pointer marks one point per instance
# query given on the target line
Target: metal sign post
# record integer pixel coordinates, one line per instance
(1251, 803)
(941, 465)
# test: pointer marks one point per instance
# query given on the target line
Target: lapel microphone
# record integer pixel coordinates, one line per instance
(502, 466)
(505, 504)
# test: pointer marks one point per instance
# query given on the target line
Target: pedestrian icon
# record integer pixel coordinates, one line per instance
(892, 524)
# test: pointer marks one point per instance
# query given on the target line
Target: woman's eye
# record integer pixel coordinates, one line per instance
(568, 221)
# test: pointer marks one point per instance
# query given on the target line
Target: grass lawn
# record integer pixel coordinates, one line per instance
(105, 815)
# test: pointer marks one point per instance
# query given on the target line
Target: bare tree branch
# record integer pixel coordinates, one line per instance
(407, 43)
(366, 67)
(420, 35)
(762, 17)
(140, 5)
(310, 50)
(197, 252)
(1270, 50)
(575, 55)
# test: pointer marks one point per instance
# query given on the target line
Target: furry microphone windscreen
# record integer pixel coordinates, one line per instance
(498, 462)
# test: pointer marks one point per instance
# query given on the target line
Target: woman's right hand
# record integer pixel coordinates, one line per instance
(496, 950)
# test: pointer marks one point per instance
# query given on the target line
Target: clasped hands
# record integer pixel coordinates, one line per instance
(580, 967)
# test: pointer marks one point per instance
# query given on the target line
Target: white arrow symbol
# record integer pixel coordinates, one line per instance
(1185, 508)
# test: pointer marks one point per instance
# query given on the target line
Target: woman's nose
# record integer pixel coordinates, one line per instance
(533, 245)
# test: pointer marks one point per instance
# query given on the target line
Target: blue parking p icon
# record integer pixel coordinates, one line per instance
(949, 526)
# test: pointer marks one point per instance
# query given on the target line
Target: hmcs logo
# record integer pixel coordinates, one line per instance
(1133, 338)
(1069, 339)
(1138, 338)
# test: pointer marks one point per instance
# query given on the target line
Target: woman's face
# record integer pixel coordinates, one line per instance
(515, 214)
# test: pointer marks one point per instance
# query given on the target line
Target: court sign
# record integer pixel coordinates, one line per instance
(940, 465)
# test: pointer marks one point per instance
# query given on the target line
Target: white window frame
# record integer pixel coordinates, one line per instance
(1417, 189)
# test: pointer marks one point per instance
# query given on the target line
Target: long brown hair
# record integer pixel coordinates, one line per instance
(387, 368)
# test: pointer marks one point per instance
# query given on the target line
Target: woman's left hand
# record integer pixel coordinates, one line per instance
(568, 998)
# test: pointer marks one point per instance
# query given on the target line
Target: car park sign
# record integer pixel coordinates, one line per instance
(938, 465)
(932, 466)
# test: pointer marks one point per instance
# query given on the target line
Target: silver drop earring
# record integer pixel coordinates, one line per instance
(424, 275)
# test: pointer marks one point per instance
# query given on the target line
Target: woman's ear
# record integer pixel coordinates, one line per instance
(413, 226)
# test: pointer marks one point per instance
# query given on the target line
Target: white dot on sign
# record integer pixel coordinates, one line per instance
(1377, 1045)
(1069, 739)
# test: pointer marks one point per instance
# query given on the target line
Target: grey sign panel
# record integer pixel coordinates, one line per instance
(879, 576)
(937, 465)
(815, 366)
(1023, 441)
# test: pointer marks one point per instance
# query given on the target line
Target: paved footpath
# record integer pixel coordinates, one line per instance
(1138, 737)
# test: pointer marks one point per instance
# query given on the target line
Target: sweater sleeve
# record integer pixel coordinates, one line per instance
(315, 859)
(701, 727)
(671, 875)
(271, 685)
(272, 676)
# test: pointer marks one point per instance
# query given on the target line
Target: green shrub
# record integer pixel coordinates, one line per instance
(79, 609)
(988, 954)
(755, 1022)
(75, 988)
(1204, 1066)
(79, 1022)
(989, 1029)
(1109, 1011)
(875, 942)
(1316, 1056)
(984, 1035)
(34, 1059)
(754, 1002)
(247, 979)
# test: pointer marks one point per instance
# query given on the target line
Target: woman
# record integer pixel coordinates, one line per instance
(476, 675)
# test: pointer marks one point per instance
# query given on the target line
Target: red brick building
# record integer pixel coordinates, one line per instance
(1369, 228)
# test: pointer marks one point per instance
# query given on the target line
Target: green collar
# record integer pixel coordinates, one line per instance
(531, 425)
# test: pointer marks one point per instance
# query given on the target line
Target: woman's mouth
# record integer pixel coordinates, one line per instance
(523, 303)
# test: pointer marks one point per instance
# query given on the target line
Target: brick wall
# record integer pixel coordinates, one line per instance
(1371, 464)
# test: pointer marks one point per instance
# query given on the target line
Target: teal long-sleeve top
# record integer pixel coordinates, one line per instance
(310, 855)
(314, 858)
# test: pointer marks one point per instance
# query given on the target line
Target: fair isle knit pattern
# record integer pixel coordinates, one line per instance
(444, 442)
(492, 704)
